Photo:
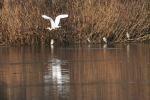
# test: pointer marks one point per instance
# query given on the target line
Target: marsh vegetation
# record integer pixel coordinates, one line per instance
(22, 24)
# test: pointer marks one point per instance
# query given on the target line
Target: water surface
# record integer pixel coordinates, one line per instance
(75, 72)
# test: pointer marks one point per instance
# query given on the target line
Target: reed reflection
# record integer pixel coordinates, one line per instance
(117, 72)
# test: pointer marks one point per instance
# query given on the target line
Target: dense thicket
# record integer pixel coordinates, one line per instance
(22, 24)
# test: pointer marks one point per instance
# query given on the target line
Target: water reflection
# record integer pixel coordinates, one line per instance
(105, 45)
(56, 76)
(76, 72)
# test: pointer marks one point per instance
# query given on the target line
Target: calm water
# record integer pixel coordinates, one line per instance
(76, 72)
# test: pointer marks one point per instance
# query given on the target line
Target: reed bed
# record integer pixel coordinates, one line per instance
(22, 24)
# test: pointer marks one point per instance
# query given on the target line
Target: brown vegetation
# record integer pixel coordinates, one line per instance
(22, 24)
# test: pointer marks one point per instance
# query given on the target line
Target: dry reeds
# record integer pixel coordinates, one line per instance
(22, 24)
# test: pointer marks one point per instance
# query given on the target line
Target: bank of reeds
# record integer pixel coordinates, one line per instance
(22, 24)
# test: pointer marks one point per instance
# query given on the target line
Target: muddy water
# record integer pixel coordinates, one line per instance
(76, 72)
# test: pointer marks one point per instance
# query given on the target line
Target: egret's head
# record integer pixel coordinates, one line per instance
(49, 28)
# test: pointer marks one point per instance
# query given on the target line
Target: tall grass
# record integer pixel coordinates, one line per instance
(22, 24)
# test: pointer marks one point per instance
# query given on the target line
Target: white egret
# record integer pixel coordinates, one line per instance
(105, 39)
(54, 25)
(88, 39)
(52, 41)
(128, 36)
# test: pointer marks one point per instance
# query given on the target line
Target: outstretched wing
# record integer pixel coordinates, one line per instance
(51, 20)
(57, 20)
(46, 17)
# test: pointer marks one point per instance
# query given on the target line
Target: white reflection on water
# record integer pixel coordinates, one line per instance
(105, 45)
(128, 50)
(56, 71)
(56, 78)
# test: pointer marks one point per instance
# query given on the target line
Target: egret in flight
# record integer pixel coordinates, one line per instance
(54, 25)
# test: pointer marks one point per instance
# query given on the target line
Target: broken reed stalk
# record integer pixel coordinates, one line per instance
(23, 25)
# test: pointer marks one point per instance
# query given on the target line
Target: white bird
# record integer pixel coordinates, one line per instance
(52, 41)
(55, 24)
(128, 35)
(105, 39)
(88, 39)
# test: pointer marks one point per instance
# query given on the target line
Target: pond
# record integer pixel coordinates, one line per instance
(75, 72)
